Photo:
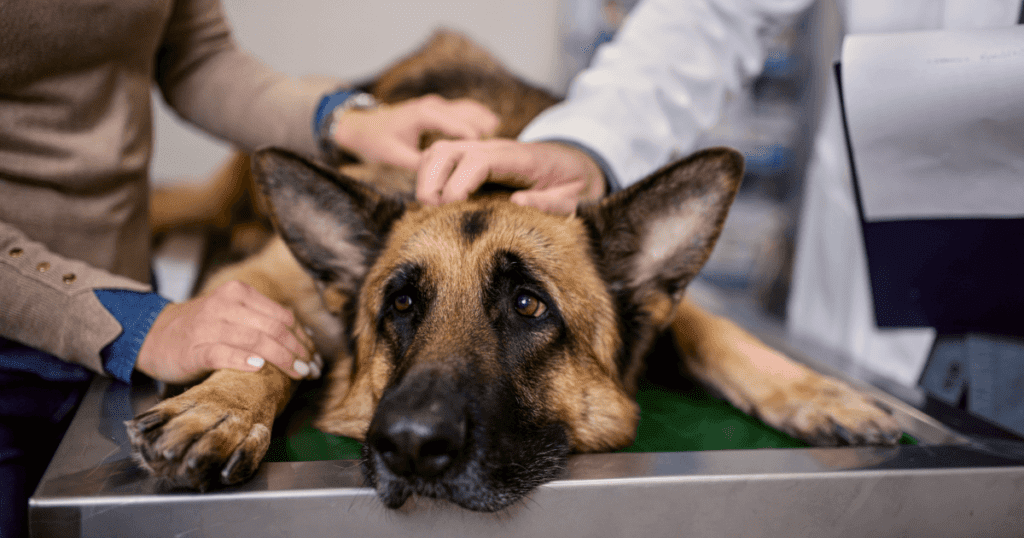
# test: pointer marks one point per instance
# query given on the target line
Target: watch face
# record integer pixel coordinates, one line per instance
(361, 100)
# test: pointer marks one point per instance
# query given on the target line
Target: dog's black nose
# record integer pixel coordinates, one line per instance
(418, 439)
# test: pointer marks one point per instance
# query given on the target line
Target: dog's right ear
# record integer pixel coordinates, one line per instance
(334, 225)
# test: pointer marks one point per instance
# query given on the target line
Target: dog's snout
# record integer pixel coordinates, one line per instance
(420, 440)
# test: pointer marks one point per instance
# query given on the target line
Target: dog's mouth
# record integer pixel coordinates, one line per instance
(482, 482)
(439, 446)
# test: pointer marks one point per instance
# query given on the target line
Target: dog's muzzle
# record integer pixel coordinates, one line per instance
(419, 433)
(436, 434)
(419, 438)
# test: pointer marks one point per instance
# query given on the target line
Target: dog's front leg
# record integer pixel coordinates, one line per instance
(213, 434)
(784, 394)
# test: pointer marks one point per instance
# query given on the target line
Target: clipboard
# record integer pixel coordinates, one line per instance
(934, 125)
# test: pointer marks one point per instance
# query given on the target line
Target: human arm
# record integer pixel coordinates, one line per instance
(48, 302)
(111, 324)
(663, 81)
(654, 88)
(216, 85)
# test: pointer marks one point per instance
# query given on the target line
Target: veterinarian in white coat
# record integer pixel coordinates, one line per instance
(662, 81)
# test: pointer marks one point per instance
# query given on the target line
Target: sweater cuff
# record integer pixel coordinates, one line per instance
(136, 313)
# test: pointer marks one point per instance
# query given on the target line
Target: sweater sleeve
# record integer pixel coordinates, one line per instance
(47, 301)
(662, 81)
(211, 82)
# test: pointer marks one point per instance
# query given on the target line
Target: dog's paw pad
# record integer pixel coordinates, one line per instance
(198, 445)
(826, 412)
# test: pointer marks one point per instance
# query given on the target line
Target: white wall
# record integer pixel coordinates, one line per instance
(352, 40)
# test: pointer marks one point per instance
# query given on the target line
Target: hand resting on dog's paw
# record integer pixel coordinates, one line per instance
(232, 326)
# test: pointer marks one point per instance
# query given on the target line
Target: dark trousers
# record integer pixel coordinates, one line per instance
(34, 414)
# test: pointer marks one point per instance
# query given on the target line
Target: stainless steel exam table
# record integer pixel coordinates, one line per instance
(945, 485)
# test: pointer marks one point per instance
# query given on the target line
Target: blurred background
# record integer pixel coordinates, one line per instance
(546, 42)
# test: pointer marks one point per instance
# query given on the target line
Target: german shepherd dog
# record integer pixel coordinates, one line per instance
(475, 345)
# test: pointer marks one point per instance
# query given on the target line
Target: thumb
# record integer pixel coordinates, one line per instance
(561, 200)
(398, 153)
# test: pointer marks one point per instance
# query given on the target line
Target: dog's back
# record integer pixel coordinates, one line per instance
(454, 67)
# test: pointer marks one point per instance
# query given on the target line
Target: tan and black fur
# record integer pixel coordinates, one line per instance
(475, 345)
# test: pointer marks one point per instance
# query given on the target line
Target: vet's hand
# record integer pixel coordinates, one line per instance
(234, 326)
(556, 177)
(391, 134)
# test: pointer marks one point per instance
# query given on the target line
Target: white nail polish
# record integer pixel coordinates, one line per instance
(301, 367)
(255, 362)
(314, 370)
(318, 359)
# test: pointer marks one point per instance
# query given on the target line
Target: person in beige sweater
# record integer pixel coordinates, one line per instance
(75, 144)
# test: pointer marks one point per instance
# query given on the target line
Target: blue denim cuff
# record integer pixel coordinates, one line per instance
(136, 313)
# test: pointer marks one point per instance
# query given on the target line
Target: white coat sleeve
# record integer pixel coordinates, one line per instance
(662, 81)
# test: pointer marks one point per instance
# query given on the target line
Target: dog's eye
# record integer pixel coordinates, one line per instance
(403, 303)
(530, 306)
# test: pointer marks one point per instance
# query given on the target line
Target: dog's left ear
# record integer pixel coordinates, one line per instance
(656, 235)
(334, 225)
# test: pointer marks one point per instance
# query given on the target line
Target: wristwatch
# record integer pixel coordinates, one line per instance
(332, 106)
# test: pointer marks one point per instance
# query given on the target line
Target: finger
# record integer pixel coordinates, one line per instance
(293, 338)
(471, 172)
(400, 153)
(451, 126)
(220, 356)
(479, 120)
(506, 162)
(252, 342)
(459, 118)
(435, 167)
(312, 345)
(487, 120)
(252, 300)
(562, 199)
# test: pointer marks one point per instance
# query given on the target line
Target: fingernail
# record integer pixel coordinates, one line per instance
(255, 362)
(319, 360)
(301, 367)
(314, 370)
(309, 331)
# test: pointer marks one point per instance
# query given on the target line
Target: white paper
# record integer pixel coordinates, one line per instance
(936, 122)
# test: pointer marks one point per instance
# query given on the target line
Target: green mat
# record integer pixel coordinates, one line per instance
(676, 419)
(690, 418)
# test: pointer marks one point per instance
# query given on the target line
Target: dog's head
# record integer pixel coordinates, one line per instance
(490, 339)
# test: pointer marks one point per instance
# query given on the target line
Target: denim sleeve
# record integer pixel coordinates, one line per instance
(135, 312)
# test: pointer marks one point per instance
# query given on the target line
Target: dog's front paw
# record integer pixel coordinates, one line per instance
(195, 444)
(825, 412)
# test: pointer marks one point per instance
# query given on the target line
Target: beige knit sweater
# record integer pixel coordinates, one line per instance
(75, 144)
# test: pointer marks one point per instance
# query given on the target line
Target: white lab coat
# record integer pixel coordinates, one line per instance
(663, 80)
